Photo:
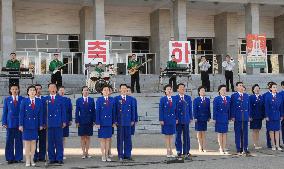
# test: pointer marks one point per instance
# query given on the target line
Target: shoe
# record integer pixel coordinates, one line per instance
(64, 158)
(239, 153)
(200, 150)
(33, 164)
(221, 151)
(169, 156)
(19, 161)
(121, 159)
(110, 155)
(88, 156)
(104, 159)
(225, 152)
(83, 157)
(204, 151)
(273, 148)
(173, 156)
(108, 159)
(28, 164)
(279, 149)
(51, 162)
(60, 162)
(10, 162)
(42, 160)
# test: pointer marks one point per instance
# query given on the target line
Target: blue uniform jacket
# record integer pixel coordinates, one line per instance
(221, 110)
(85, 114)
(31, 118)
(68, 105)
(105, 112)
(168, 114)
(124, 112)
(56, 112)
(201, 110)
(10, 116)
(184, 109)
(240, 108)
(273, 107)
(256, 107)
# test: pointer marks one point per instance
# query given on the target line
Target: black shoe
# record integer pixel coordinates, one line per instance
(51, 162)
(19, 161)
(281, 146)
(35, 160)
(128, 158)
(10, 162)
(60, 162)
(42, 160)
(179, 154)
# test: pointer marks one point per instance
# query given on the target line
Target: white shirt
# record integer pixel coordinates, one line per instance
(169, 98)
(32, 100)
(204, 66)
(17, 97)
(39, 97)
(223, 97)
(85, 99)
(106, 98)
(229, 66)
(123, 97)
(181, 96)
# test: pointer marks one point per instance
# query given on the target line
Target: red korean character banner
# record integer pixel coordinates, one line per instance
(96, 51)
(256, 50)
(181, 50)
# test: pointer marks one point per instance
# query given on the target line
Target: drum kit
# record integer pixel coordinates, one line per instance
(95, 80)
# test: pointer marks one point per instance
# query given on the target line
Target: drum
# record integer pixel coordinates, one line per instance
(99, 85)
(94, 76)
(106, 76)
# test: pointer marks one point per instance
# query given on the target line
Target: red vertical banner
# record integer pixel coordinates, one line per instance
(181, 50)
(96, 51)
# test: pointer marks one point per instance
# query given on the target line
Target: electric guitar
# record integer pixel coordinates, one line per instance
(60, 67)
(135, 69)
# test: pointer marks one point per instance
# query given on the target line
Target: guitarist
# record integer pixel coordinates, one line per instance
(56, 78)
(132, 63)
(173, 79)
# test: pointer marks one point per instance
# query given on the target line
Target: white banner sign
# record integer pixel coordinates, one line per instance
(96, 51)
(181, 50)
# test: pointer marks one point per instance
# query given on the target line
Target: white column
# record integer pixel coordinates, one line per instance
(8, 43)
(99, 19)
(179, 18)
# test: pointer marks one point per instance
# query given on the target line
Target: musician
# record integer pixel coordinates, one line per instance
(228, 65)
(132, 63)
(56, 78)
(99, 68)
(173, 79)
(204, 66)
(14, 64)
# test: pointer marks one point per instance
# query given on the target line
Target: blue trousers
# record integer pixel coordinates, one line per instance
(133, 130)
(241, 135)
(55, 144)
(182, 148)
(124, 143)
(282, 128)
(14, 145)
(40, 151)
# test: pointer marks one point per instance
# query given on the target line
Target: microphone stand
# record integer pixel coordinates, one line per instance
(46, 137)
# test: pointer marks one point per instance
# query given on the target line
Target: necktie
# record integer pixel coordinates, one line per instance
(85, 101)
(15, 101)
(274, 98)
(225, 101)
(107, 101)
(52, 99)
(123, 99)
(182, 98)
(33, 104)
(241, 96)
(203, 101)
(170, 101)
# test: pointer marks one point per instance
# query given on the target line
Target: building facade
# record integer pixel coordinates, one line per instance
(36, 29)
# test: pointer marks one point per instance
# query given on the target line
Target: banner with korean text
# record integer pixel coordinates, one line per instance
(181, 50)
(96, 51)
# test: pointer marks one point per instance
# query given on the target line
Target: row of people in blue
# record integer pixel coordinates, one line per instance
(177, 112)
(41, 121)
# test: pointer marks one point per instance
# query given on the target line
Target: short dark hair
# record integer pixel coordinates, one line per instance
(55, 54)
(128, 87)
(123, 84)
(30, 87)
(173, 55)
(38, 85)
(100, 63)
(84, 88)
(13, 53)
(13, 85)
(228, 56)
(180, 84)
(220, 87)
(239, 83)
(51, 84)
(104, 86)
(61, 87)
(282, 83)
(271, 84)
(199, 88)
(253, 87)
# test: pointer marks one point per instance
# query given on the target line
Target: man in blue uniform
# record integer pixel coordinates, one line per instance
(68, 106)
(282, 122)
(129, 93)
(124, 119)
(10, 121)
(240, 115)
(41, 141)
(184, 117)
(268, 141)
(56, 121)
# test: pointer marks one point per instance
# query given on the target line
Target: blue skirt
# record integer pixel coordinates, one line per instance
(273, 125)
(30, 134)
(66, 131)
(105, 132)
(85, 130)
(168, 129)
(256, 124)
(201, 126)
(221, 127)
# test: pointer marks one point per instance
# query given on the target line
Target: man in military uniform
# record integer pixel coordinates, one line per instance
(56, 77)
(135, 77)
(15, 64)
(173, 79)
(99, 68)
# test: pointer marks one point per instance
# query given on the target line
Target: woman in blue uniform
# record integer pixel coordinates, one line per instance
(105, 121)
(221, 112)
(30, 119)
(168, 118)
(85, 120)
(202, 115)
(256, 114)
(273, 114)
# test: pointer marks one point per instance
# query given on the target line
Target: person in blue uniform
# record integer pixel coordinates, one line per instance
(124, 119)
(256, 114)
(55, 122)
(240, 113)
(168, 118)
(268, 141)
(10, 121)
(184, 117)
(273, 115)
(40, 149)
(105, 121)
(30, 119)
(202, 115)
(110, 139)
(129, 93)
(69, 108)
(221, 114)
(282, 122)
(85, 117)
